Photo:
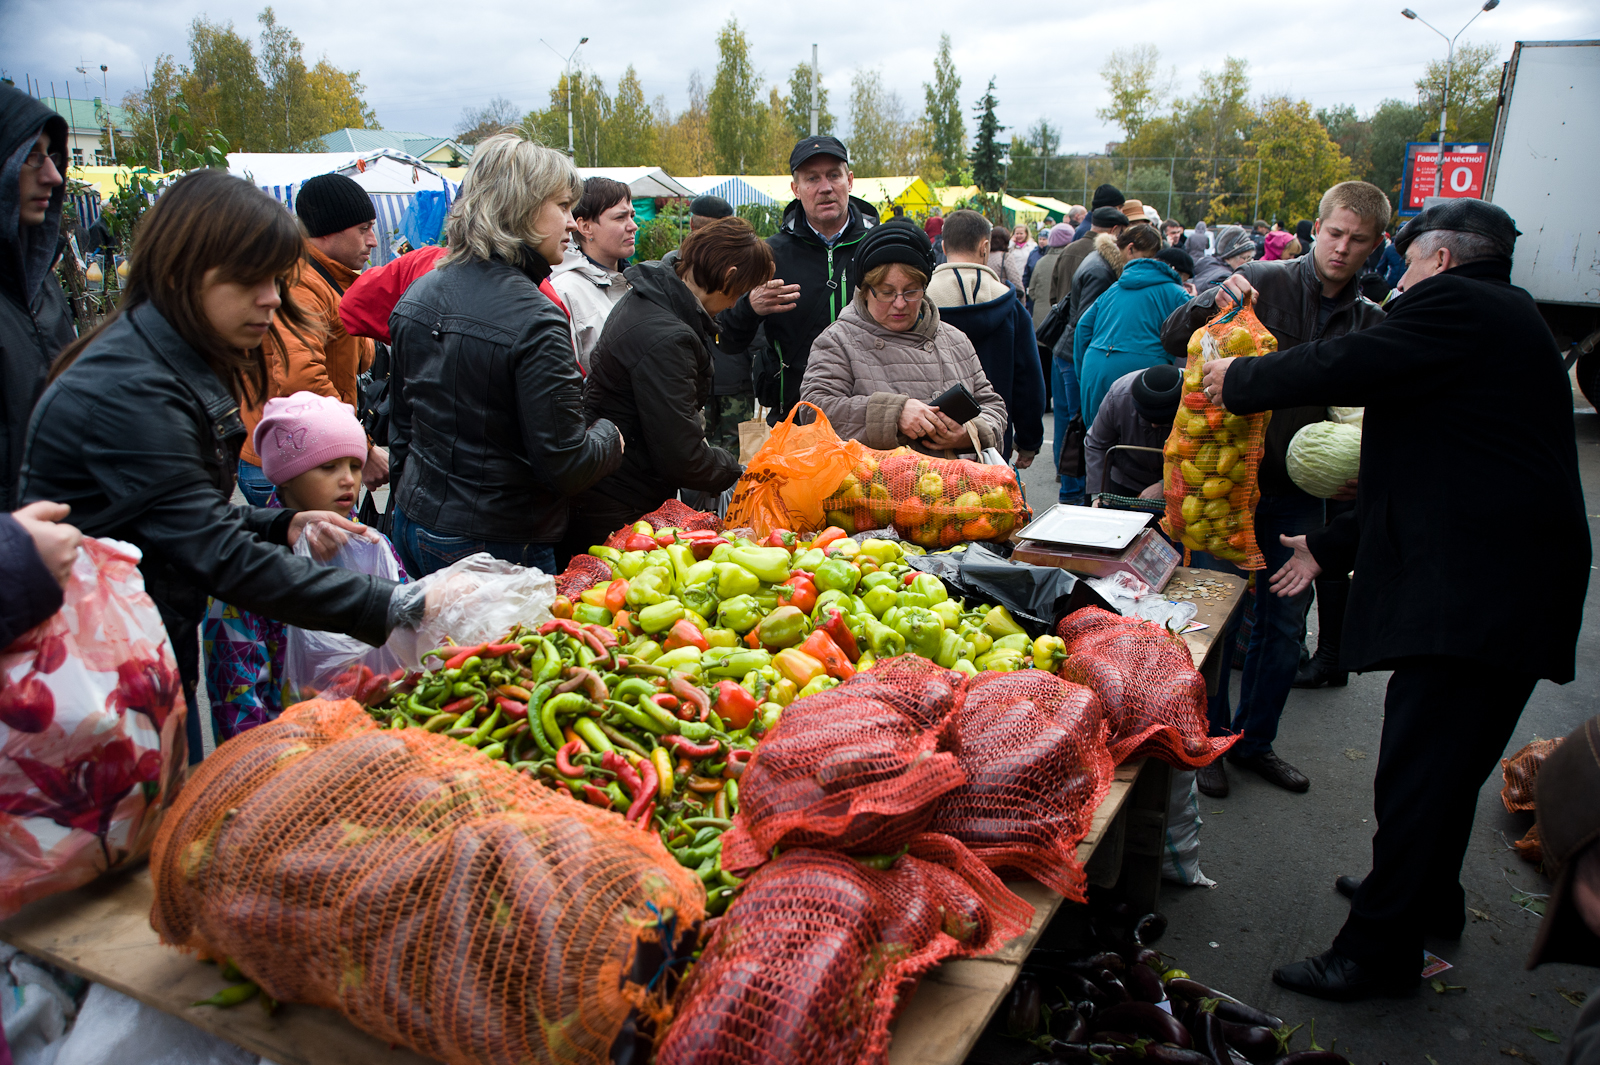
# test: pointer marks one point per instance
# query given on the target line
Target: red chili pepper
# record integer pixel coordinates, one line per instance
(573, 629)
(910, 577)
(799, 590)
(462, 655)
(626, 774)
(665, 701)
(667, 539)
(514, 710)
(564, 764)
(834, 625)
(617, 595)
(735, 706)
(639, 542)
(607, 638)
(688, 693)
(596, 797)
(828, 536)
(648, 815)
(820, 645)
(684, 633)
(460, 706)
(737, 762)
(500, 650)
(689, 749)
(587, 679)
(648, 781)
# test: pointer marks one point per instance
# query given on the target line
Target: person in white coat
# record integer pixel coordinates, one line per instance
(589, 279)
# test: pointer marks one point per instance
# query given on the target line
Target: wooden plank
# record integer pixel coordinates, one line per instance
(102, 932)
(1210, 612)
(950, 1009)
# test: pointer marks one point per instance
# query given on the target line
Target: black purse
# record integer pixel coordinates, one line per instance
(1072, 464)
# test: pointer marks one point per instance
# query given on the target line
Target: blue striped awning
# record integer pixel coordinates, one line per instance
(736, 191)
(390, 208)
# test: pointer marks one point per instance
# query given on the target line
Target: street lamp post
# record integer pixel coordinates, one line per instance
(568, 61)
(111, 133)
(1449, 64)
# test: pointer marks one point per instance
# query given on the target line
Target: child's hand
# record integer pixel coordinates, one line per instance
(327, 531)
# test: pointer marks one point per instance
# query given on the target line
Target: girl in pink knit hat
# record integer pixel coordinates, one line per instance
(312, 449)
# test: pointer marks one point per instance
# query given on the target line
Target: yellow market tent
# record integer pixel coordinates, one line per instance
(774, 185)
(1055, 209)
(1021, 212)
(908, 192)
(951, 196)
(104, 179)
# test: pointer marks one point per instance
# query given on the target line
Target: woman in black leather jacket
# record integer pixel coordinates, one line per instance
(139, 431)
(487, 434)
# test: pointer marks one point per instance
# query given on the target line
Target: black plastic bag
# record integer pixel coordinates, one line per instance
(1037, 596)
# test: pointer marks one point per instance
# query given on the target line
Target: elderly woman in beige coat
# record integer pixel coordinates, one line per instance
(876, 370)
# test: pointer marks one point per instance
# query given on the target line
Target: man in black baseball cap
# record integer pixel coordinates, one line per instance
(812, 250)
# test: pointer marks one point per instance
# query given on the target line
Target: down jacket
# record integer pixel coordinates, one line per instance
(861, 375)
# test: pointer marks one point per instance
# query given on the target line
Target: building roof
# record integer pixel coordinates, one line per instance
(420, 145)
(85, 115)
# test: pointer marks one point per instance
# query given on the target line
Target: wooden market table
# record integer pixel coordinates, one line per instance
(102, 932)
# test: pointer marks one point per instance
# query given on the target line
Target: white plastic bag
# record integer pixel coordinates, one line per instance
(478, 599)
(1180, 857)
(314, 659)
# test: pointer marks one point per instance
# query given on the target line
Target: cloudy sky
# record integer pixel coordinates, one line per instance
(424, 61)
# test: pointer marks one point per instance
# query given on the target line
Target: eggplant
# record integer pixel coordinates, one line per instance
(1165, 1055)
(1253, 1041)
(1087, 1008)
(1023, 1013)
(1146, 1020)
(1313, 1057)
(1149, 929)
(1078, 987)
(1121, 1039)
(1231, 1009)
(1068, 1026)
(1071, 1054)
(1143, 984)
(1106, 981)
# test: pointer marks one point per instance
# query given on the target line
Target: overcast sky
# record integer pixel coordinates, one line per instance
(424, 61)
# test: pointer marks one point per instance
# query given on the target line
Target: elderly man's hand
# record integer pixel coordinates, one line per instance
(1216, 371)
(1297, 573)
(774, 297)
(1347, 492)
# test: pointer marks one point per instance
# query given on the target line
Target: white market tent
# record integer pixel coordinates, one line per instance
(391, 178)
(736, 190)
(642, 181)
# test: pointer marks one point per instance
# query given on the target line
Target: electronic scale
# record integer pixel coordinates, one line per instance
(1098, 542)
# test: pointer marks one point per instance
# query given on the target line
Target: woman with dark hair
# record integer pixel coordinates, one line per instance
(488, 432)
(652, 374)
(1121, 331)
(591, 279)
(139, 431)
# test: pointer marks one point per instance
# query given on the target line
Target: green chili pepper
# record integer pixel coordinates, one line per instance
(494, 750)
(999, 622)
(922, 629)
(879, 598)
(483, 730)
(651, 586)
(683, 561)
(631, 688)
(607, 554)
(585, 614)
(949, 612)
(734, 580)
(589, 729)
(809, 559)
(231, 996)
(1017, 641)
(739, 663)
(637, 717)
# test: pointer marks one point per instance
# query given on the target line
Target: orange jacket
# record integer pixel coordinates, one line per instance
(328, 361)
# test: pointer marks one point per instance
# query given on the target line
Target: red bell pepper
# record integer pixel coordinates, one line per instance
(828, 536)
(779, 538)
(820, 645)
(735, 706)
(800, 591)
(617, 595)
(833, 624)
(909, 577)
(639, 542)
(684, 633)
(703, 546)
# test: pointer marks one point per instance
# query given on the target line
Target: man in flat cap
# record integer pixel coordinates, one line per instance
(1459, 344)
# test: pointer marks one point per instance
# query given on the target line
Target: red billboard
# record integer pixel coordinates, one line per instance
(1464, 168)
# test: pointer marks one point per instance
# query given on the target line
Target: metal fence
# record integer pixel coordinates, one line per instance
(1152, 180)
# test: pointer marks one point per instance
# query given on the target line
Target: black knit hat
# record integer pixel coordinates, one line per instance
(1178, 259)
(1107, 196)
(710, 207)
(1156, 393)
(329, 203)
(898, 241)
(1463, 216)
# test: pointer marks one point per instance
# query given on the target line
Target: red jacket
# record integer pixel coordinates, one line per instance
(368, 303)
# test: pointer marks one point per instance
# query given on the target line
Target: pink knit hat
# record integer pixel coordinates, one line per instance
(300, 432)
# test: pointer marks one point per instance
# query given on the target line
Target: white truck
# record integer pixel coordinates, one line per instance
(1542, 170)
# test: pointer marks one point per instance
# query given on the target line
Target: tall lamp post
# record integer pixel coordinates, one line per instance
(1449, 64)
(568, 61)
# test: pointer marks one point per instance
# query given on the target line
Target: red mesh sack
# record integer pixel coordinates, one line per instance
(435, 898)
(1530, 848)
(1521, 772)
(1154, 699)
(1033, 748)
(857, 769)
(930, 501)
(815, 955)
(1212, 455)
(670, 515)
(582, 573)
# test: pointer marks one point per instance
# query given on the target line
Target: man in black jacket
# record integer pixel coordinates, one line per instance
(1308, 298)
(813, 250)
(1460, 339)
(35, 321)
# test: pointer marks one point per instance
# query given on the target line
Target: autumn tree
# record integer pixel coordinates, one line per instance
(738, 122)
(1298, 163)
(942, 118)
(884, 140)
(685, 140)
(797, 105)
(591, 106)
(1474, 95)
(1137, 88)
(222, 84)
(629, 135)
(149, 141)
(986, 149)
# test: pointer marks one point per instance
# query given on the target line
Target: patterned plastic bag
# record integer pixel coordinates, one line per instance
(91, 732)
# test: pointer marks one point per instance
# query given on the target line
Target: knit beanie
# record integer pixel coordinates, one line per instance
(1156, 392)
(1060, 236)
(329, 203)
(1233, 240)
(300, 432)
(1107, 196)
(898, 241)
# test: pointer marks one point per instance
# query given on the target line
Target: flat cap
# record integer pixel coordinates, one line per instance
(1463, 216)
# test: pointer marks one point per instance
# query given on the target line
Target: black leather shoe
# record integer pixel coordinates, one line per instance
(1273, 770)
(1212, 780)
(1347, 885)
(1321, 672)
(1438, 925)
(1340, 979)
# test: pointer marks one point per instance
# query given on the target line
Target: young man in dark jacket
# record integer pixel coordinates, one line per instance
(1460, 337)
(813, 250)
(1311, 297)
(35, 321)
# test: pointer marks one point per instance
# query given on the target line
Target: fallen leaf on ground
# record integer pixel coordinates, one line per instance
(1546, 1034)
(1353, 754)
(1513, 1052)
(1577, 998)
(1440, 987)
(1479, 915)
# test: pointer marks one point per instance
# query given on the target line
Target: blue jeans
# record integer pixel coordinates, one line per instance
(1064, 397)
(1274, 650)
(424, 551)
(254, 484)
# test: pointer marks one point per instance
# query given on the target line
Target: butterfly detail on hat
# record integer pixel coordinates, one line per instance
(295, 438)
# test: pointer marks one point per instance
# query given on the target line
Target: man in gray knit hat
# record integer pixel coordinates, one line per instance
(1234, 249)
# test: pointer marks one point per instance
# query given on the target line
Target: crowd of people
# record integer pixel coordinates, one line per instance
(525, 390)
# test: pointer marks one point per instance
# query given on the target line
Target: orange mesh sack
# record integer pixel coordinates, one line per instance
(1213, 456)
(433, 897)
(816, 954)
(1521, 773)
(1154, 699)
(856, 769)
(787, 481)
(929, 501)
(1033, 748)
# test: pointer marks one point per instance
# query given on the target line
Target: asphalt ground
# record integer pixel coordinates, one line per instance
(1275, 855)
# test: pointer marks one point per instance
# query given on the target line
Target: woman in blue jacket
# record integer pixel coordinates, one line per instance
(1121, 331)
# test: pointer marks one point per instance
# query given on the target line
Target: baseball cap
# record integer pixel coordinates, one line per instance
(818, 146)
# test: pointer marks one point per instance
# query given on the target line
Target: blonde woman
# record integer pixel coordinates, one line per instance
(488, 433)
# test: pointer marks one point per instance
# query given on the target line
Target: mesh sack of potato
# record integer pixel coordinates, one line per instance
(1212, 455)
(930, 501)
(434, 897)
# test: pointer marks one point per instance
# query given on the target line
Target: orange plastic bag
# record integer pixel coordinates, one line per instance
(435, 898)
(796, 470)
(1213, 456)
(930, 501)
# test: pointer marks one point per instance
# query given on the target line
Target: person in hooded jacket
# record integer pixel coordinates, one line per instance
(653, 373)
(1234, 249)
(35, 319)
(812, 252)
(1121, 331)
